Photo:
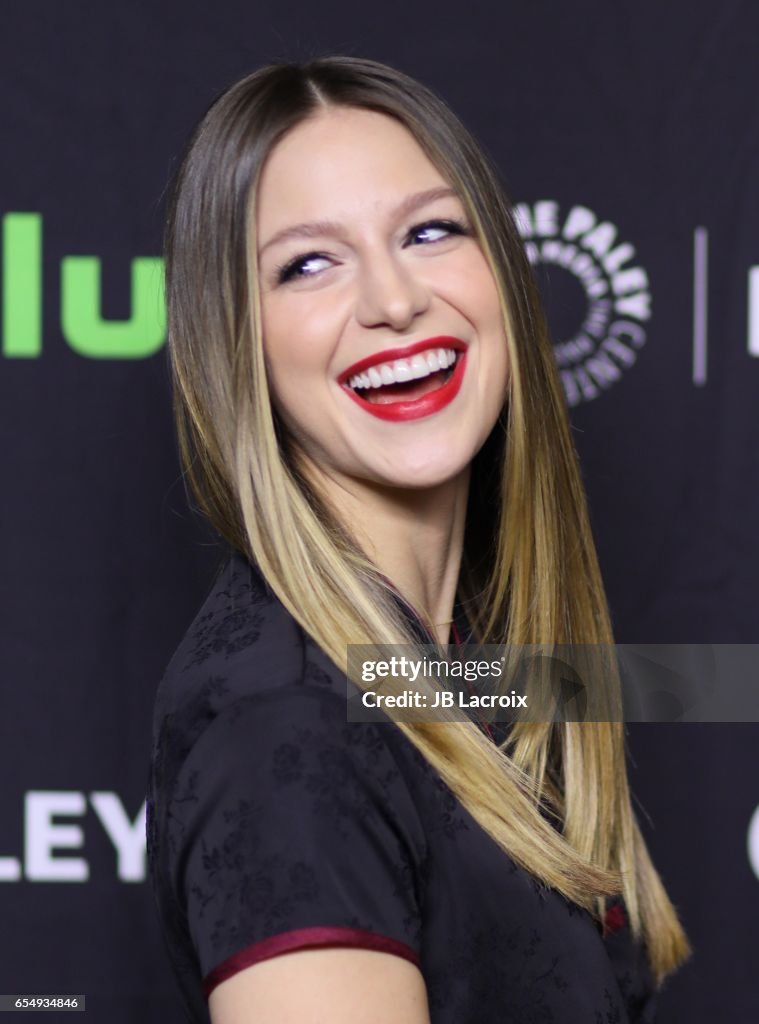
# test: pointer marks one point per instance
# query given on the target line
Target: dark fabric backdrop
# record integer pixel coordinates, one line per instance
(638, 116)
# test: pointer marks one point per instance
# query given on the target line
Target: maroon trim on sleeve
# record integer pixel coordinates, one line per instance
(305, 938)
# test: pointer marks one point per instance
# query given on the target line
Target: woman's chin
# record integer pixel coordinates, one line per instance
(420, 477)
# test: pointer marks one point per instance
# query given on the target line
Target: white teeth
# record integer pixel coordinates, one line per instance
(400, 370)
(419, 367)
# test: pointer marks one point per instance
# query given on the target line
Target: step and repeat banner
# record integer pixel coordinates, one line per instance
(628, 137)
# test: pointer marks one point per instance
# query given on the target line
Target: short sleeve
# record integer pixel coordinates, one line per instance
(293, 828)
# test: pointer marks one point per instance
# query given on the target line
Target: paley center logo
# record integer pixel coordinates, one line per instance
(604, 341)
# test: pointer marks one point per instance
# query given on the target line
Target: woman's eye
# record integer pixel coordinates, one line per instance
(311, 263)
(290, 270)
(434, 228)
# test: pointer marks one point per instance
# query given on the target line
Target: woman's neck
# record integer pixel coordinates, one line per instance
(414, 537)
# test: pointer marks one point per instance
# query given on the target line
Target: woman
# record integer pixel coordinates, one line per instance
(370, 415)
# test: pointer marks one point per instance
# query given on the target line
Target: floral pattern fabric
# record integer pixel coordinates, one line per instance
(274, 824)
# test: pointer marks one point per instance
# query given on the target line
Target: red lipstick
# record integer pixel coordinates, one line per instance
(412, 409)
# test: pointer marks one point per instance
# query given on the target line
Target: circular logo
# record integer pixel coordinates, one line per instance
(597, 302)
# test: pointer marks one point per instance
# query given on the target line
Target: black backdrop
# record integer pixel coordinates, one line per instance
(628, 134)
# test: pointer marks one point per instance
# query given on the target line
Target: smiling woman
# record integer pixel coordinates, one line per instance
(386, 288)
(370, 415)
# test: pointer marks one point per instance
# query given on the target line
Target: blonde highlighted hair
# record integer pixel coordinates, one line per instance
(529, 569)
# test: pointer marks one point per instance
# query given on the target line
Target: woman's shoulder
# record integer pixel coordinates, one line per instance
(242, 644)
(241, 616)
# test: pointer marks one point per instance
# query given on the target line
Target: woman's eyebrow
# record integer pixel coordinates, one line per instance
(312, 229)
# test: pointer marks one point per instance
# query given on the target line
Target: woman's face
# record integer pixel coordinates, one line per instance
(365, 259)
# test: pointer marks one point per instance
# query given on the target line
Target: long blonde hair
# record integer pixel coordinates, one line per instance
(529, 568)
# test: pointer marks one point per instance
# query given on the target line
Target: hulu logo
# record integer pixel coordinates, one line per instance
(84, 328)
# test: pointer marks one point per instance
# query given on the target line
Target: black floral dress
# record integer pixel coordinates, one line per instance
(274, 824)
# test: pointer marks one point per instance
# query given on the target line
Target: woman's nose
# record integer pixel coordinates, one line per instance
(389, 292)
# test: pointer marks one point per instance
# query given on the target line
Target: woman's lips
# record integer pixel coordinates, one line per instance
(396, 408)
